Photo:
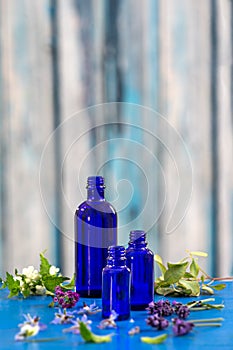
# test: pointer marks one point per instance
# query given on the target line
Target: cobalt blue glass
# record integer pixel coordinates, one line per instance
(116, 285)
(140, 261)
(95, 230)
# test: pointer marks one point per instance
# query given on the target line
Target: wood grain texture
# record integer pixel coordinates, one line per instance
(174, 57)
(225, 138)
(26, 124)
(185, 91)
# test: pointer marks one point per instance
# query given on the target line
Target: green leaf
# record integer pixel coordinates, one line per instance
(164, 290)
(44, 265)
(90, 337)
(159, 262)
(193, 286)
(198, 253)
(219, 286)
(71, 284)
(194, 268)
(188, 275)
(154, 340)
(175, 272)
(202, 278)
(50, 282)
(12, 285)
(26, 292)
(183, 291)
(207, 289)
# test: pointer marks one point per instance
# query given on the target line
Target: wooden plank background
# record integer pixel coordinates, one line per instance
(59, 57)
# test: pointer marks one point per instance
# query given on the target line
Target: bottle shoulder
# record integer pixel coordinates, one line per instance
(139, 251)
(116, 269)
(102, 206)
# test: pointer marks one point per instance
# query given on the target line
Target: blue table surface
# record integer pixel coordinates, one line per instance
(12, 310)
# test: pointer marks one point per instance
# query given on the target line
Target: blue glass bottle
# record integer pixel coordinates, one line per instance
(116, 284)
(140, 261)
(95, 230)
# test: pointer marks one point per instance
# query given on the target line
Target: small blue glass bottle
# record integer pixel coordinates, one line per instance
(140, 261)
(95, 223)
(116, 284)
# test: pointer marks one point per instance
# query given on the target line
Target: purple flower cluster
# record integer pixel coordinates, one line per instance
(165, 308)
(67, 299)
(161, 308)
(181, 327)
(157, 321)
(181, 310)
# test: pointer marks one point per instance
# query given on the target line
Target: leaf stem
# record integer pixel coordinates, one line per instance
(207, 276)
(207, 307)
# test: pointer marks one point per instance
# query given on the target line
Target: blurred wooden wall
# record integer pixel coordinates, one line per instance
(59, 57)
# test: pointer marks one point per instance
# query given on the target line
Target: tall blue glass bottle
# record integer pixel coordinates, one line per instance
(95, 230)
(116, 285)
(140, 261)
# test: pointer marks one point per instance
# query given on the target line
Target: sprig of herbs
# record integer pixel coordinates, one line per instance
(33, 282)
(185, 277)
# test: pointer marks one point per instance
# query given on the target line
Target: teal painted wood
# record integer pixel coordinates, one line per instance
(156, 54)
(182, 95)
(225, 140)
(27, 123)
(184, 88)
(214, 137)
(2, 153)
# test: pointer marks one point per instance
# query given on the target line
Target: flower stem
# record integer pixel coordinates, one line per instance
(206, 300)
(208, 325)
(207, 307)
(203, 301)
(217, 319)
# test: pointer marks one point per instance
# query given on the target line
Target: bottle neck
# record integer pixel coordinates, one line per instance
(116, 256)
(96, 194)
(95, 188)
(137, 239)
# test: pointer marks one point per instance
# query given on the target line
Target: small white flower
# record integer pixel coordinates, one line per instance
(35, 275)
(30, 273)
(134, 330)
(26, 331)
(76, 325)
(89, 310)
(27, 271)
(109, 322)
(63, 317)
(53, 270)
(40, 290)
(32, 321)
